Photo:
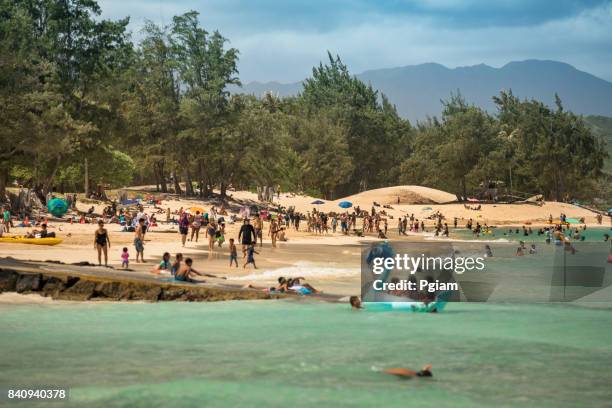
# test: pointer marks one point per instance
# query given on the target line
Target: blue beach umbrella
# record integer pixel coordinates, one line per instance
(57, 207)
(318, 202)
(345, 204)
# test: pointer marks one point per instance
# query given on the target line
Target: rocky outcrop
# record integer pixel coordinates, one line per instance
(83, 288)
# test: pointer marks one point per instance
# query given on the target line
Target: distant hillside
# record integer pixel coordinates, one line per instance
(602, 125)
(416, 90)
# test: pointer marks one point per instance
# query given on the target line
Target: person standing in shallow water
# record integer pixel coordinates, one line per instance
(102, 243)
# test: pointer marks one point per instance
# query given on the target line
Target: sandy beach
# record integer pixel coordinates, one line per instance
(330, 261)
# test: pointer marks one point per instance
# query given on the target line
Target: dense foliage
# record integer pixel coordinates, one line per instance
(81, 105)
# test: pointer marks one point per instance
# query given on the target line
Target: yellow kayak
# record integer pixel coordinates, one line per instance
(33, 241)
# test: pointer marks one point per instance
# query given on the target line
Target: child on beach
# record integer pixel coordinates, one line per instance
(185, 271)
(164, 266)
(125, 258)
(139, 240)
(248, 253)
(233, 253)
(176, 264)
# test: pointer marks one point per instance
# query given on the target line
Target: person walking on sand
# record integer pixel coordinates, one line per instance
(184, 227)
(102, 243)
(195, 226)
(258, 226)
(139, 240)
(273, 232)
(246, 234)
(233, 257)
(6, 219)
(250, 258)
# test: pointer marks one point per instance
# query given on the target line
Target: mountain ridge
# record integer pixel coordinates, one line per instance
(416, 90)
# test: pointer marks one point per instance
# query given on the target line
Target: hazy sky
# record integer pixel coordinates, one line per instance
(282, 39)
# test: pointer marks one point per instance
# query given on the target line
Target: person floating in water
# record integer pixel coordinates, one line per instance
(355, 302)
(407, 373)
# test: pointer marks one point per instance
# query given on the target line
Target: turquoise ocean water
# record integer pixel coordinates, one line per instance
(503, 233)
(300, 353)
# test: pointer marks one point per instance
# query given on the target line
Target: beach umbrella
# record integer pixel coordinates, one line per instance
(57, 207)
(193, 210)
(345, 204)
(318, 202)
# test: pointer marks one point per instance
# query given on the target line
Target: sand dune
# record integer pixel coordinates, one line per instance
(406, 194)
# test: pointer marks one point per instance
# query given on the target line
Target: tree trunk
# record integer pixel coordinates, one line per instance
(3, 181)
(86, 179)
(177, 184)
(156, 175)
(47, 185)
(188, 184)
(162, 176)
(223, 188)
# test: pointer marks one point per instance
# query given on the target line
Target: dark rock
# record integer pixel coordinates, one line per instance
(172, 293)
(81, 290)
(111, 290)
(28, 283)
(53, 285)
(8, 280)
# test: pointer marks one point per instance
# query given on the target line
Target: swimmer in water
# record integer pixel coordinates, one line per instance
(355, 302)
(406, 373)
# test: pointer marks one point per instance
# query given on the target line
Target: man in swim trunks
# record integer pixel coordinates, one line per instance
(139, 240)
(246, 234)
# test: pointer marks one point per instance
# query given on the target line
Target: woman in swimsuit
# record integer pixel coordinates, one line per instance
(102, 243)
(195, 226)
(273, 232)
(184, 227)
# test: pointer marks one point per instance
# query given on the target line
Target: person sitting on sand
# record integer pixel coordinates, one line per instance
(44, 233)
(176, 264)
(184, 272)
(164, 266)
(295, 285)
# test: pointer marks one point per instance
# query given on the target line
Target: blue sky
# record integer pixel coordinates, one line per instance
(282, 40)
